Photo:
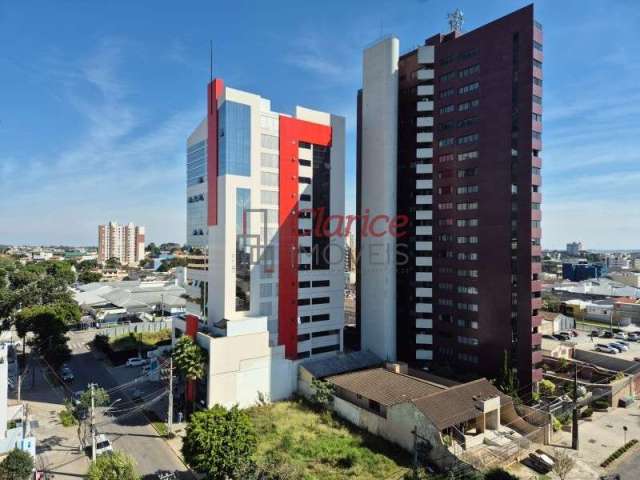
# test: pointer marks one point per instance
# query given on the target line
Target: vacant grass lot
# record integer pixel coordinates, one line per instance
(320, 446)
(133, 340)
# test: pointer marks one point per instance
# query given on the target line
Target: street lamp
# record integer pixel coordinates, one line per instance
(624, 428)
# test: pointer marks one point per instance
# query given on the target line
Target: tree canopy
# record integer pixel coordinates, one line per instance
(17, 465)
(189, 358)
(116, 466)
(218, 442)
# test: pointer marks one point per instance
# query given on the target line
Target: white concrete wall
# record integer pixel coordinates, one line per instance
(379, 195)
(4, 385)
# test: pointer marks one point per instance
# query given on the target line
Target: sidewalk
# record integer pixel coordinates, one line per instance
(58, 447)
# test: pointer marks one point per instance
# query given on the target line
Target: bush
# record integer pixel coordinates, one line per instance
(587, 412)
(17, 465)
(547, 387)
(601, 404)
(499, 474)
(618, 453)
(66, 418)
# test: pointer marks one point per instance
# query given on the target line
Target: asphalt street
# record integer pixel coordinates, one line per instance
(128, 433)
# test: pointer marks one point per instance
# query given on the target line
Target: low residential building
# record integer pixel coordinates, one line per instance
(553, 323)
(407, 410)
(618, 261)
(628, 278)
(594, 289)
(109, 302)
(626, 311)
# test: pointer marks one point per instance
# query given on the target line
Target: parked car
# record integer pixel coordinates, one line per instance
(607, 334)
(620, 335)
(620, 348)
(103, 445)
(605, 348)
(66, 374)
(617, 330)
(595, 333)
(633, 337)
(136, 362)
(136, 396)
(548, 337)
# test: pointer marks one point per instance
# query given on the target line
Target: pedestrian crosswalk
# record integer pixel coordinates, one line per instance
(78, 346)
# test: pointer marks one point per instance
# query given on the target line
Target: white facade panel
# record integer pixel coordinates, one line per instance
(424, 184)
(424, 168)
(424, 153)
(424, 323)
(379, 172)
(424, 261)
(424, 292)
(424, 122)
(424, 230)
(425, 74)
(424, 308)
(420, 246)
(424, 277)
(424, 339)
(424, 214)
(424, 90)
(424, 137)
(425, 106)
(426, 54)
(424, 199)
(424, 354)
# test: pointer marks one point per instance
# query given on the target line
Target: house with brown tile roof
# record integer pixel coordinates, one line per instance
(408, 410)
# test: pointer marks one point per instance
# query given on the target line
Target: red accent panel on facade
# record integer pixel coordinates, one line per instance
(214, 92)
(292, 131)
(191, 328)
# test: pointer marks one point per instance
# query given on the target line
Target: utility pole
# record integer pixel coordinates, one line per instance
(19, 386)
(574, 429)
(93, 426)
(170, 412)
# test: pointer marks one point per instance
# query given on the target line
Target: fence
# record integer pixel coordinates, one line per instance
(141, 327)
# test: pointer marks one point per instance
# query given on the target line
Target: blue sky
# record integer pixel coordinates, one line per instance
(98, 98)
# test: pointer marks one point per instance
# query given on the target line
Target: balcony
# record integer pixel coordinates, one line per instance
(536, 303)
(536, 286)
(425, 74)
(425, 106)
(536, 357)
(536, 321)
(536, 197)
(424, 90)
(536, 180)
(536, 162)
(536, 339)
(536, 375)
(536, 215)
(424, 137)
(536, 251)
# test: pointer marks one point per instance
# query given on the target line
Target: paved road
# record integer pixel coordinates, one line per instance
(629, 467)
(131, 434)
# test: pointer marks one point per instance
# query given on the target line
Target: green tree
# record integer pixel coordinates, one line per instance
(89, 277)
(49, 326)
(17, 465)
(22, 278)
(112, 263)
(507, 380)
(218, 442)
(116, 466)
(62, 271)
(547, 387)
(499, 474)
(153, 250)
(322, 393)
(100, 397)
(87, 265)
(189, 358)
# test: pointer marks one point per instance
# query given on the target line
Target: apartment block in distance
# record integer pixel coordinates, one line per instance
(449, 141)
(124, 242)
(261, 187)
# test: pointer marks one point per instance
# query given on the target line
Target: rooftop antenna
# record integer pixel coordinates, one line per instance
(456, 19)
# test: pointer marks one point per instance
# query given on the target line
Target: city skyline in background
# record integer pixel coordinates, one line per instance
(110, 104)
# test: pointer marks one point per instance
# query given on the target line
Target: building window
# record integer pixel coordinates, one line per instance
(445, 142)
(269, 141)
(464, 106)
(536, 135)
(536, 117)
(243, 250)
(269, 179)
(468, 139)
(305, 180)
(446, 158)
(448, 76)
(266, 290)
(323, 317)
(467, 72)
(445, 206)
(268, 160)
(537, 63)
(468, 189)
(472, 87)
(467, 172)
(320, 300)
(537, 81)
(447, 93)
(269, 197)
(537, 99)
(468, 155)
(447, 109)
